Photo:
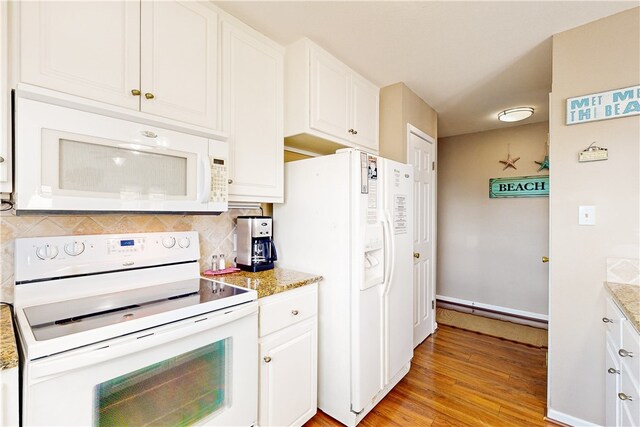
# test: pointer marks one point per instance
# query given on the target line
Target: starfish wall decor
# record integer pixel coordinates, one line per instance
(544, 164)
(510, 162)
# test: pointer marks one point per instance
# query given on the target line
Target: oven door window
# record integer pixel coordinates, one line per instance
(82, 165)
(178, 391)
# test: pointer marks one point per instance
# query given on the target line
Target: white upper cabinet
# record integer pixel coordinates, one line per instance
(158, 57)
(89, 49)
(179, 66)
(252, 109)
(5, 102)
(327, 101)
(329, 94)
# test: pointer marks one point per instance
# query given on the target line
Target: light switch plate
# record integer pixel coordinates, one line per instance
(587, 215)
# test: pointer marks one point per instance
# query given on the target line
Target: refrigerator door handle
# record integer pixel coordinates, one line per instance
(389, 251)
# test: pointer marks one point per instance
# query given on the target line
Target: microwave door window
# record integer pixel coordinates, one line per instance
(129, 172)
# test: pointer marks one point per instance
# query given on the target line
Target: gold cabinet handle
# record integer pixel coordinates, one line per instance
(267, 359)
(229, 181)
(1, 159)
(355, 132)
(135, 92)
(149, 95)
(607, 320)
(351, 131)
(416, 255)
(545, 259)
(623, 396)
(613, 371)
(295, 312)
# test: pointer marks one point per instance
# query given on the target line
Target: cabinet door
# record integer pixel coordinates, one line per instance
(612, 385)
(179, 66)
(253, 99)
(5, 102)
(288, 376)
(364, 113)
(88, 49)
(329, 97)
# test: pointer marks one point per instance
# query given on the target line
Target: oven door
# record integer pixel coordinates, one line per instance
(71, 160)
(199, 371)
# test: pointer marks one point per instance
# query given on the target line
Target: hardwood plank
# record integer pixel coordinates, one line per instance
(462, 378)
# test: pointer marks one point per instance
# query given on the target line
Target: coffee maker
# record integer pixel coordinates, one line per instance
(256, 251)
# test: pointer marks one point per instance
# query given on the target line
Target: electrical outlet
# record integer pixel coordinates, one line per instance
(587, 215)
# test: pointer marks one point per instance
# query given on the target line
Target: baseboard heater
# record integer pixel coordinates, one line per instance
(494, 312)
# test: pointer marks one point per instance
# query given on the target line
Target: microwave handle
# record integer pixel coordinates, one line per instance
(204, 180)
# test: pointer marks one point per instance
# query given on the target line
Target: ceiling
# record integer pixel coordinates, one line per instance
(467, 59)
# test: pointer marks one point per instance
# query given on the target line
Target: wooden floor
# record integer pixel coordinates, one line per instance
(463, 378)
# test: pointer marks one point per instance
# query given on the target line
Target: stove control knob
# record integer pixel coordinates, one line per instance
(184, 242)
(47, 252)
(168, 242)
(74, 248)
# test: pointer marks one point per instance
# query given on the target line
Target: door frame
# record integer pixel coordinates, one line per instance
(411, 129)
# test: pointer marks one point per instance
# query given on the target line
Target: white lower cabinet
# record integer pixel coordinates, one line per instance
(288, 357)
(622, 384)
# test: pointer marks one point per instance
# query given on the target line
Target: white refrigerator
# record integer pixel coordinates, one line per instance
(349, 217)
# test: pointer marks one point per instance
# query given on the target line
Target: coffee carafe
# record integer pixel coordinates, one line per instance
(256, 251)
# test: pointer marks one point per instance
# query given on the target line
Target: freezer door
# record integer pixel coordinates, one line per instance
(367, 364)
(397, 299)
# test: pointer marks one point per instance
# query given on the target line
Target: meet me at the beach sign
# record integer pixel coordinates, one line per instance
(604, 105)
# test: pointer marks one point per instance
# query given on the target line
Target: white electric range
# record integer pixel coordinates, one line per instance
(122, 330)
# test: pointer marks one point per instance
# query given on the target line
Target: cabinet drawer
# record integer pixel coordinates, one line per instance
(613, 319)
(282, 310)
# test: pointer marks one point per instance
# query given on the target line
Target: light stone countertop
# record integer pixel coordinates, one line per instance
(268, 282)
(8, 348)
(627, 297)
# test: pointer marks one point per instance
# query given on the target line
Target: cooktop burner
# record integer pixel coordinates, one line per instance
(63, 318)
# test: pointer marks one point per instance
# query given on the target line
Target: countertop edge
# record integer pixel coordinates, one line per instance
(625, 296)
(8, 347)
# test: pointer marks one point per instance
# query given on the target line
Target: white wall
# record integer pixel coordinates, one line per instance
(490, 250)
(596, 57)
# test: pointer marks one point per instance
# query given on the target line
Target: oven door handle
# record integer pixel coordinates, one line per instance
(53, 366)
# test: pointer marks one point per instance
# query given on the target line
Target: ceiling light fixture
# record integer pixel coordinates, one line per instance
(515, 114)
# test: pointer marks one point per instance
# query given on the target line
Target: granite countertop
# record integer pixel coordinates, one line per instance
(628, 299)
(8, 349)
(268, 282)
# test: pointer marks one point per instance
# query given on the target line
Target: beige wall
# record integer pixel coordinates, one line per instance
(489, 250)
(596, 57)
(215, 233)
(399, 105)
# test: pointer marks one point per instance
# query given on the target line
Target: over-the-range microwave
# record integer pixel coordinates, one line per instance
(72, 161)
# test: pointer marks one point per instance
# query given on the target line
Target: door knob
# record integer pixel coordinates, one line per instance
(545, 259)
(416, 255)
(135, 92)
(267, 359)
(149, 95)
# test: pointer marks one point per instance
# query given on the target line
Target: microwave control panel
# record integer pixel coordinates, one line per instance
(219, 181)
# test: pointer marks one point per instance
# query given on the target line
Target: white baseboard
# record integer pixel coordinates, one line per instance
(494, 311)
(569, 420)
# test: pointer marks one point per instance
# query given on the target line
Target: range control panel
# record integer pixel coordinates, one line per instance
(58, 256)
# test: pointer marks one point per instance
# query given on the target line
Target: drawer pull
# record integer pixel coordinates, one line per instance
(613, 371)
(607, 320)
(267, 359)
(623, 396)
(295, 312)
(624, 353)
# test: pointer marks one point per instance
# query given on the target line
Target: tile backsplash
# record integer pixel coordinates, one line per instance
(215, 233)
(623, 270)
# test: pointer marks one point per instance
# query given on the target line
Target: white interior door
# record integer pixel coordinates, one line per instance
(421, 155)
